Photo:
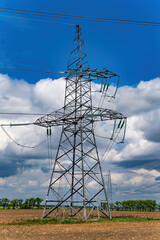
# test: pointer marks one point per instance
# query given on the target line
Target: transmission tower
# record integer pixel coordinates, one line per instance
(109, 188)
(77, 169)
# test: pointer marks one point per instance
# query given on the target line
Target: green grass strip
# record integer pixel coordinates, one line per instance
(73, 221)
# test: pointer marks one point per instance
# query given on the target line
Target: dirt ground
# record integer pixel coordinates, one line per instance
(7, 216)
(88, 231)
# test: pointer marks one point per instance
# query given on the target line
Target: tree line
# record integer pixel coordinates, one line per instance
(29, 203)
(135, 205)
(128, 205)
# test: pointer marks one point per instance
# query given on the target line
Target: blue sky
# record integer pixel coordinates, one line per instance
(131, 51)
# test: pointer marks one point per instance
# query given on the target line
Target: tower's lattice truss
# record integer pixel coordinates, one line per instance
(77, 179)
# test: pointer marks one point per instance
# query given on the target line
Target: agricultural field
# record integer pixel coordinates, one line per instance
(123, 227)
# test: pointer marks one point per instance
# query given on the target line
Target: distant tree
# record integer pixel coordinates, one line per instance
(131, 205)
(26, 204)
(20, 202)
(151, 205)
(111, 206)
(118, 205)
(14, 203)
(104, 205)
(38, 202)
(5, 202)
(139, 205)
(31, 203)
(158, 205)
(125, 205)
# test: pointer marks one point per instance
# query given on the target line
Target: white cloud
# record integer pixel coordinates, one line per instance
(2, 181)
(32, 183)
(136, 100)
(49, 94)
(140, 104)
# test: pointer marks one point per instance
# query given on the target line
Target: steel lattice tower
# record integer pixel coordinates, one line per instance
(77, 179)
(109, 188)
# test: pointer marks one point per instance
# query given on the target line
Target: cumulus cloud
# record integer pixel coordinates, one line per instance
(20, 96)
(140, 153)
(29, 183)
(137, 100)
(49, 95)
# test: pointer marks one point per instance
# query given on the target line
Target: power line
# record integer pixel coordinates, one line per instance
(102, 137)
(138, 189)
(147, 186)
(21, 145)
(27, 114)
(15, 124)
(79, 17)
(139, 174)
(37, 20)
(31, 70)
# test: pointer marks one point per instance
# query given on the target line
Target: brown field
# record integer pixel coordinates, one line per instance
(88, 231)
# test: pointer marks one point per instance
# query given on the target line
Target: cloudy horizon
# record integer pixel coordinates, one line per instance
(134, 165)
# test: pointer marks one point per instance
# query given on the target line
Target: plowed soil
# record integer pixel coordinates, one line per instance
(87, 231)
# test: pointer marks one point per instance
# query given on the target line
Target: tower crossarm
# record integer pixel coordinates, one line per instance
(92, 74)
(56, 118)
(102, 114)
(92, 114)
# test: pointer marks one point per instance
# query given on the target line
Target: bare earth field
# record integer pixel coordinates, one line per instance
(88, 231)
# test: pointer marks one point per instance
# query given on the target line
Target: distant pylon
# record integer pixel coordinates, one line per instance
(109, 188)
(77, 169)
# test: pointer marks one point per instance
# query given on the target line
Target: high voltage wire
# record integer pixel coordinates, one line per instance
(37, 20)
(147, 186)
(27, 114)
(77, 17)
(21, 145)
(138, 189)
(16, 124)
(31, 70)
(139, 174)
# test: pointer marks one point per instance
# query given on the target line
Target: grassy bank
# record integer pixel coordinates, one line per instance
(75, 221)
